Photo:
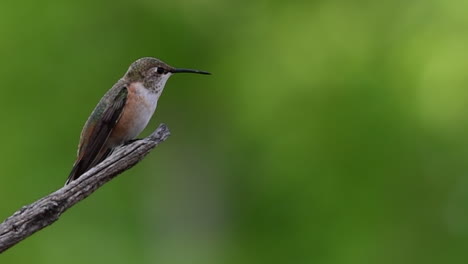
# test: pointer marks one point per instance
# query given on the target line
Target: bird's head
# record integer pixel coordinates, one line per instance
(153, 72)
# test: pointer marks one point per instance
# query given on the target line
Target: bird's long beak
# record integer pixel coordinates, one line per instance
(180, 70)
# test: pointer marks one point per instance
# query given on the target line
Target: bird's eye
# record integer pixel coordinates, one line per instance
(160, 70)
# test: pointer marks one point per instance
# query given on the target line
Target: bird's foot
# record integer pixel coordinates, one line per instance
(131, 141)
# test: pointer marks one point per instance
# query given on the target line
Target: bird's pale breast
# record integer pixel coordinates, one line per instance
(140, 106)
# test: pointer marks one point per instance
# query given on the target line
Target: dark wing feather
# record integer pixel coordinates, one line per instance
(94, 150)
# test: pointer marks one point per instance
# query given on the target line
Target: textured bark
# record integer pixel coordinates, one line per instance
(45, 211)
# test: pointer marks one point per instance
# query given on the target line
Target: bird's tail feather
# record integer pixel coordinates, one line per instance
(82, 165)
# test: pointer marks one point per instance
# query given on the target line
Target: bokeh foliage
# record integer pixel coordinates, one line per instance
(330, 131)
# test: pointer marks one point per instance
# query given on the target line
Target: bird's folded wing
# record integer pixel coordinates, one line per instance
(93, 151)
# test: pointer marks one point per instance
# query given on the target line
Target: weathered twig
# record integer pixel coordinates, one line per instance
(45, 211)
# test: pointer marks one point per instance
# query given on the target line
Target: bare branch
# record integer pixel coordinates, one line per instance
(45, 211)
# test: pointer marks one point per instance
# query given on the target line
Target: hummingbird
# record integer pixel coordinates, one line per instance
(123, 112)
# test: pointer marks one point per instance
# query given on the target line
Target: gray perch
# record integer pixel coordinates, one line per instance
(45, 211)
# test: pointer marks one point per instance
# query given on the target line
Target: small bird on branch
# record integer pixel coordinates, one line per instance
(123, 112)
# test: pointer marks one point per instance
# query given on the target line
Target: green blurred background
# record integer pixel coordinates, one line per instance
(330, 131)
